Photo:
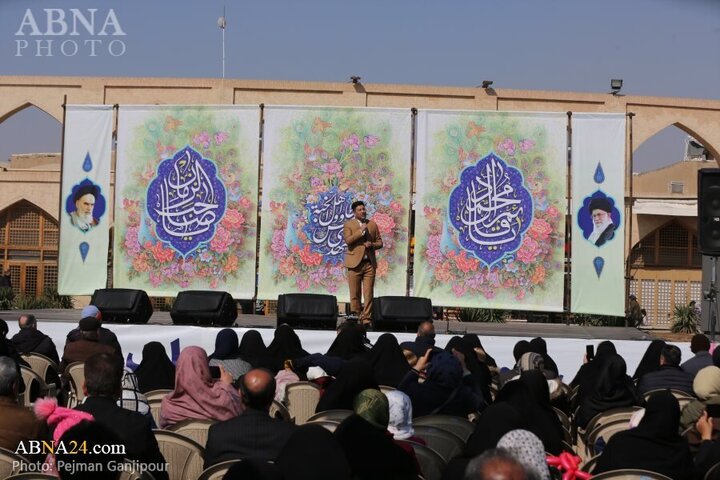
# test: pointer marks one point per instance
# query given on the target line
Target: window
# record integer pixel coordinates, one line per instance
(669, 246)
(677, 187)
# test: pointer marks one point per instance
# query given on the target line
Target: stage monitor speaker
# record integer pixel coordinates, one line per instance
(123, 305)
(204, 307)
(307, 310)
(400, 313)
(709, 211)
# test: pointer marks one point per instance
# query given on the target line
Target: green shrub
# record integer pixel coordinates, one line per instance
(6, 296)
(487, 315)
(685, 319)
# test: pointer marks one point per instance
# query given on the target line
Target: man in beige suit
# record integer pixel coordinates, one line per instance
(362, 237)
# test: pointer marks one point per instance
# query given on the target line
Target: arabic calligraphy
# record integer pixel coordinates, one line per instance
(491, 209)
(186, 200)
(326, 220)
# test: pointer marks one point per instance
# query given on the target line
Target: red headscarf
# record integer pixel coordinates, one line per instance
(195, 394)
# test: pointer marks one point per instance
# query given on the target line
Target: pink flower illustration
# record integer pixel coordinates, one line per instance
(384, 222)
(220, 137)
(233, 220)
(443, 272)
(352, 141)
(278, 243)
(245, 203)
(382, 268)
(507, 146)
(302, 282)
(466, 264)
(332, 167)
(371, 140)
(552, 211)
(287, 266)
(221, 241)
(140, 264)
(528, 250)
(526, 145)
(309, 258)
(538, 275)
(540, 229)
(395, 206)
(202, 139)
(459, 289)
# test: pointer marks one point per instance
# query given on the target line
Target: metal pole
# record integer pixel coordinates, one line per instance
(629, 219)
(713, 300)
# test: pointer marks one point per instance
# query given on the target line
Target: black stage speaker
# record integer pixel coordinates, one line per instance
(204, 307)
(709, 211)
(307, 310)
(400, 313)
(123, 305)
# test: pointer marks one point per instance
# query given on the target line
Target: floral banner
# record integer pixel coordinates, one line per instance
(598, 233)
(186, 211)
(491, 190)
(317, 161)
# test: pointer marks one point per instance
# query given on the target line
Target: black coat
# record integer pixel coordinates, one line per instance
(30, 340)
(251, 435)
(133, 428)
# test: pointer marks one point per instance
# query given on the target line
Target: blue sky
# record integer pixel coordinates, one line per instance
(658, 47)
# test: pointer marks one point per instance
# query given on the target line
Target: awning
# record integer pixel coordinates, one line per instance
(665, 207)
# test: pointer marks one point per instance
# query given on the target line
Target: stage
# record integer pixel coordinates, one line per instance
(566, 344)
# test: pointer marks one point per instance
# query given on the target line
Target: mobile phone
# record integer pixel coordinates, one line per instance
(215, 372)
(713, 410)
(590, 352)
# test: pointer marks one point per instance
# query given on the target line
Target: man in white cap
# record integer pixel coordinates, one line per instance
(105, 336)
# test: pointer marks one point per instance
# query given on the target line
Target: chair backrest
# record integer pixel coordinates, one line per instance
(630, 474)
(155, 398)
(36, 476)
(280, 411)
(431, 463)
(683, 397)
(713, 473)
(461, 427)
(35, 385)
(590, 464)
(302, 399)
(40, 364)
(386, 389)
(129, 472)
(76, 373)
(605, 431)
(330, 415)
(328, 425)
(8, 460)
(157, 394)
(217, 471)
(563, 419)
(612, 415)
(194, 429)
(183, 456)
(446, 444)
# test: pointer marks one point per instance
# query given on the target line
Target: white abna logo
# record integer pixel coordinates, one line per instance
(74, 23)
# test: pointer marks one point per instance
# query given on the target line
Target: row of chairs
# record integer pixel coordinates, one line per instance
(35, 379)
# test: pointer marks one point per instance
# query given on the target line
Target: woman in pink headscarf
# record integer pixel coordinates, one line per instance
(196, 395)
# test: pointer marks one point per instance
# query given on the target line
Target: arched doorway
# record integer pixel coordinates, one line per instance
(29, 240)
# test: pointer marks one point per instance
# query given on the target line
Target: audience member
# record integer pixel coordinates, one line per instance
(58, 420)
(482, 355)
(443, 391)
(587, 376)
(156, 371)
(196, 395)
(527, 449)
(400, 419)
(614, 389)
(707, 389)
(354, 377)
(538, 345)
(17, 423)
(87, 345)
(85, 463)
(372, 453)
(285, 345)
(700, 346)
(305, 443)
(495, 421)
(387, 361)
(708, 454)
(521, 348)
(132, 399)
(31, 340)
(654, 444)
(495, 464)
(253, 350)
(348, 344)
(650, 361)
(669, 375)
(255, 470)
(477, 376)
(253, 434)
(226, 354)
(103, 387)
(105, 336)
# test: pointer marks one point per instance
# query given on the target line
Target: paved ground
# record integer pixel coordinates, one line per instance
(511, 329)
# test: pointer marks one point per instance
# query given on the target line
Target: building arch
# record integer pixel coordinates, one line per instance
(54, 111)
(29, 241)
(700, 127)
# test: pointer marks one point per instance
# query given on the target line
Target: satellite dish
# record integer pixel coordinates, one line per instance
(695, 150)
(221, 22)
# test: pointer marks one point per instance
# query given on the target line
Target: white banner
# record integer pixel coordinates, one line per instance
(598, 229)
(85, 199)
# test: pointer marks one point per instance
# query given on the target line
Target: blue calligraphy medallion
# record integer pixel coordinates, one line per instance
(326, 219)
(491, 209)
(186, 200)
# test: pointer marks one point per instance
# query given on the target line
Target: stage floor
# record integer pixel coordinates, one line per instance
(509, 329)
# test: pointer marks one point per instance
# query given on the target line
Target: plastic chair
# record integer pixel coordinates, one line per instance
(446, 444)
(605, 431)
(713, 473)
(41, 364)
(683, 398)
(328, 425)
(194, 429)
(630, 474)
(129, 472)
(183, 456)
(76, 373)
(458, 426)
(331, 415)
(155, 398)
(217, 471)
(386, 388)
(431, 463)
(31, 377)
(37, 476)
(564, 419)
(8, 460)
(280, 411)
(302, 399)
(612, 415)
(590, 464)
